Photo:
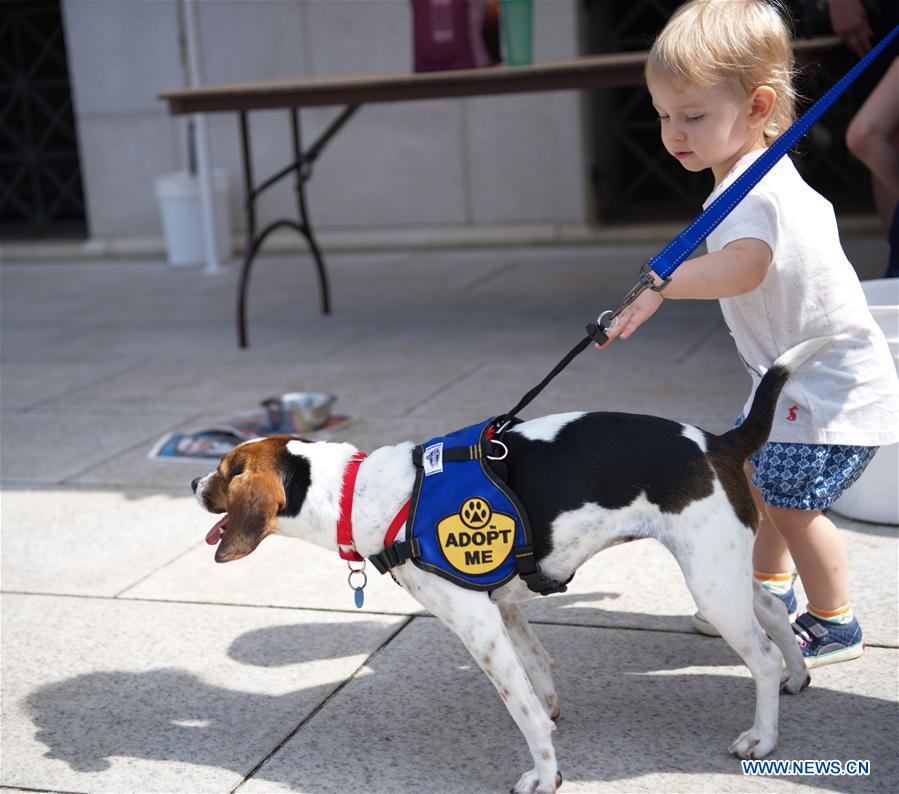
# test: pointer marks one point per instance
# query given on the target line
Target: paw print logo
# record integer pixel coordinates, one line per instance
(475, 513)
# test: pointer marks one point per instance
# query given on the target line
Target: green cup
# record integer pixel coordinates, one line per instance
(517, 21)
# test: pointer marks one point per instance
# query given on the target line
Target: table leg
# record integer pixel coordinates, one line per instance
(302, 169)
(249, 251)
(304, 172)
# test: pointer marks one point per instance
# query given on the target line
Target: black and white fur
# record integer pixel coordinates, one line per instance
(587, 481)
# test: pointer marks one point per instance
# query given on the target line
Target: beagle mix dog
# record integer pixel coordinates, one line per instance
(587, 481)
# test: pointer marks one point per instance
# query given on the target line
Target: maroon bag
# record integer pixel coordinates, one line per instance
(449, 34)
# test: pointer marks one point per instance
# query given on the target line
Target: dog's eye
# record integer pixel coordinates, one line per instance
(236, 468)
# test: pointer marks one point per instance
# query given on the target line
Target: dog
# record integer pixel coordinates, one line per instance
(587, 481)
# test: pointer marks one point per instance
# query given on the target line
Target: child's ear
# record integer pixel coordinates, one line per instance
(761, 105)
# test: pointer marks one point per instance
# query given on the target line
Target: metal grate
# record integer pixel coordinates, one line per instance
(40, 177)
(635, 179)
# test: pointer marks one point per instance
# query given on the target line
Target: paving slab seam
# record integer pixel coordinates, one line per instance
(175, 492)
(437, 392)
(12, 787)
(337, 690)
(713, 328)
(189, 550)
(229, 604)
(36, 406)
(141, 444)
(651, 629)
(486, 278)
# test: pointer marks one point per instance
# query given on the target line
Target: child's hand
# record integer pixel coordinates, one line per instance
(633, 317)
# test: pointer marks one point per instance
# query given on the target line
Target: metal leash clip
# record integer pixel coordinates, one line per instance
(597, 331)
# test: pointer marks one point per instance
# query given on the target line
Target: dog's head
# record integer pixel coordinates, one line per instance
(253, 485)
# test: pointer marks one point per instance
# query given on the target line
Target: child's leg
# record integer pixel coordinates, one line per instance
(808, 539)
(817, 548)
(770, 552)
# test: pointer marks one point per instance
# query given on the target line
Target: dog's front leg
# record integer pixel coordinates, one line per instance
(532, 654)
(477, 621)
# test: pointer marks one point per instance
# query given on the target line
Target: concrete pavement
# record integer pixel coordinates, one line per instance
(131, 662)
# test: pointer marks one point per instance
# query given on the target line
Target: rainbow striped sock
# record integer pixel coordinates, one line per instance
(776, 583)
(840, 615)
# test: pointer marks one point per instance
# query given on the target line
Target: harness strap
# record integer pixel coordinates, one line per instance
(396, 553)
(451, 455)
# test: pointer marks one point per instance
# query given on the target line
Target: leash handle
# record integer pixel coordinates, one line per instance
(672, 255)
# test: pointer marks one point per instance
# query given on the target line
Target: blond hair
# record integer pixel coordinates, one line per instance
(739, 43)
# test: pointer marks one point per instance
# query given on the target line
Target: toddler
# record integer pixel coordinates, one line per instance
(720, 77)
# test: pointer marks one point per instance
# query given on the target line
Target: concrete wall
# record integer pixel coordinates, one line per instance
(472, 162)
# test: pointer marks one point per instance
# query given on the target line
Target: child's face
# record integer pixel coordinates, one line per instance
(705, 127)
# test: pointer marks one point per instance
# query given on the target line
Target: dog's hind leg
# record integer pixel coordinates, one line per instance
(532, 654)
(717, 566)
(477, 621)
(772, 614)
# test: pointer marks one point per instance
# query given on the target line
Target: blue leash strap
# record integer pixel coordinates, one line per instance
(664, 263)
(673, 255)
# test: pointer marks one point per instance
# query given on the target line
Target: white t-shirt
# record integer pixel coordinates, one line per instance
(847, 393)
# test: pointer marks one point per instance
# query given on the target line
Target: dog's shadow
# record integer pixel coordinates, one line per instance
(424, 715)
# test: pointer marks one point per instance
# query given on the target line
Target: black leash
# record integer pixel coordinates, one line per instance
(596, 333)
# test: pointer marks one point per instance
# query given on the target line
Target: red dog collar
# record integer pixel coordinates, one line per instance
(346, 548)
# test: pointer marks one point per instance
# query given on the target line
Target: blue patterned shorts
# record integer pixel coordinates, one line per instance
(806, 476)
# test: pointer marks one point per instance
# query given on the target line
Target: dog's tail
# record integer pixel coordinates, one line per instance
(756, 428)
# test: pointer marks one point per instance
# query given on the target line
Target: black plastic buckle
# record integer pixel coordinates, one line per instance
(395, 554)
(597, 333)
(533, 576)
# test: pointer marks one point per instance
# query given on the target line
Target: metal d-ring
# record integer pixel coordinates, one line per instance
(505, 450)
(614, 323)
(349, 578)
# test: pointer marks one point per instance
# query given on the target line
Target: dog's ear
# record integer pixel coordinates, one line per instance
(254, 501)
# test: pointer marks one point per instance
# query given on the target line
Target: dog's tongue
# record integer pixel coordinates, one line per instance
(215, 534)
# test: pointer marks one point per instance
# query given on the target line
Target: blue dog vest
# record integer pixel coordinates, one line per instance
(464, 522)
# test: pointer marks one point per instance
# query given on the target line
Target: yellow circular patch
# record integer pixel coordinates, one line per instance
(476, 540)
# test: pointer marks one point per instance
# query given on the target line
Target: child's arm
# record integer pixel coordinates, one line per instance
(738, 268)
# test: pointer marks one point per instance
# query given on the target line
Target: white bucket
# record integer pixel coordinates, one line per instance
(875, 496)
(180, 210)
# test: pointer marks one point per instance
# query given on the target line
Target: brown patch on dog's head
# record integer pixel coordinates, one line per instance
(253, 485)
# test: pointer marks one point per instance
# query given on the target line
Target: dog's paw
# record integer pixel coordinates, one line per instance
(794, 684)
(529, 783)
(751, 744)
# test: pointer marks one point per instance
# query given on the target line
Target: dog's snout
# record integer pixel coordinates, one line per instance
(194, 483)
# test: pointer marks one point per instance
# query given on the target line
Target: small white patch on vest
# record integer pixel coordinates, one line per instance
(546, 428)
(432, 459)
(696, 436)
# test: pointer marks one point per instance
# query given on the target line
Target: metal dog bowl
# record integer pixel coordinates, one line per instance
(299, 412)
